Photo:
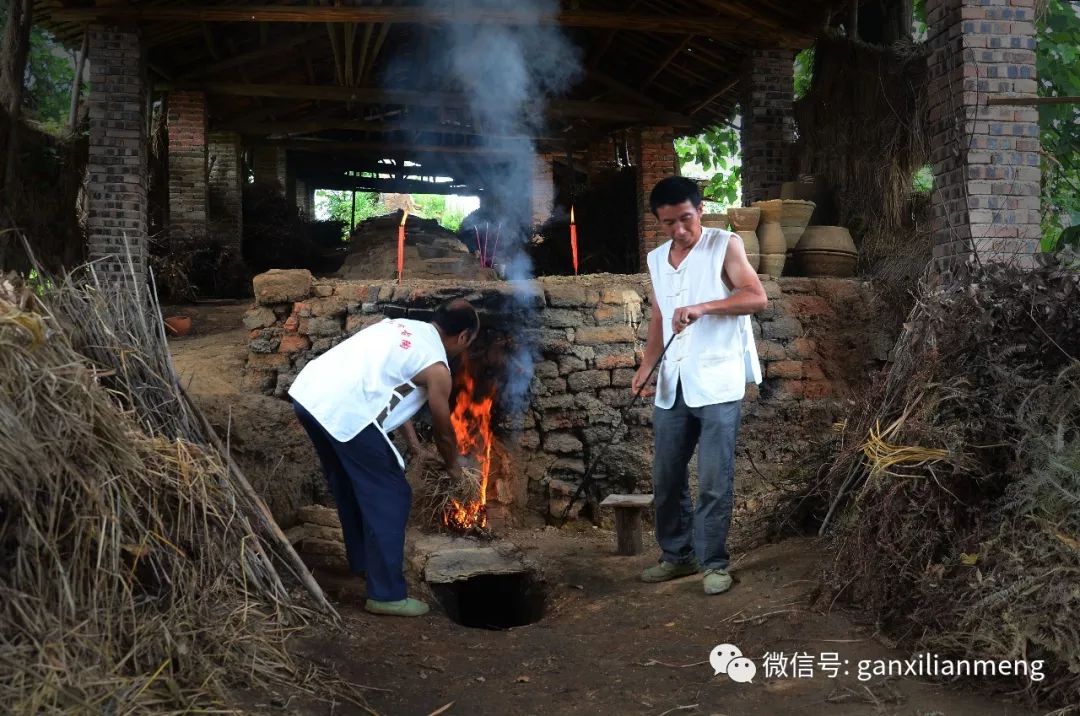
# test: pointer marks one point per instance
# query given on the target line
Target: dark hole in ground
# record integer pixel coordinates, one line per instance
(493, 601)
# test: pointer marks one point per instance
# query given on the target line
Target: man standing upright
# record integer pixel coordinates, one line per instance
(349, 399)
(704, 290)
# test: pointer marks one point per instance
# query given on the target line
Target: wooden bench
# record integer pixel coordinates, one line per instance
(628, 520)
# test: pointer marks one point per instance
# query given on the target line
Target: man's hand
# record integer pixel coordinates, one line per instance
(685, 316)
(640, 376)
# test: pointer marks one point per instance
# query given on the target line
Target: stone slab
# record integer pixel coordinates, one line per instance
(638, 501)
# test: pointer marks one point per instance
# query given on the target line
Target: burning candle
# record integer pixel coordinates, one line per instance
(573, 238)
(401, 246)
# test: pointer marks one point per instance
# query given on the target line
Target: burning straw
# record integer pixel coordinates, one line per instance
(437, 496)
(136, 575)
(958, 523)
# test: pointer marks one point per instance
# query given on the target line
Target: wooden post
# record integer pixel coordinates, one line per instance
(352, 214)
(76, 84)
(628, 529)
(13, 56)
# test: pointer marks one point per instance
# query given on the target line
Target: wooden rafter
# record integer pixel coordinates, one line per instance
(417, 149)
(307, 126)
(271, 50)
(652, 23)
(667, 61)
(361, 95)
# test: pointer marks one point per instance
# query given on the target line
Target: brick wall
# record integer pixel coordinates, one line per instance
(655, 160)
(600, 158)
(818, 340)
(768, 125)
(985, 159)
(225, 185)
(116, 167)
(269, 166)
(188, 196)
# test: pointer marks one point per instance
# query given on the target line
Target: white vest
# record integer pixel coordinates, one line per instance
(715, 357)
(359, 381)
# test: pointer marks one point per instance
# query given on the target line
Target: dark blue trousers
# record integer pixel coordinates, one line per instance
(373, 500)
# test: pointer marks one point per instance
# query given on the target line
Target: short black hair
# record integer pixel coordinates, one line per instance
(671, 191)
(455, 316)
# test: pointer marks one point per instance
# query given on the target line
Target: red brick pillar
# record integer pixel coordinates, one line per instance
(116, 168)
(656, 159)
(985, 158)
(188, 196)
(225, 177)
(768, 125)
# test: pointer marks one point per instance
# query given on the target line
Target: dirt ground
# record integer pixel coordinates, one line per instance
(262, 432)
(608, 644)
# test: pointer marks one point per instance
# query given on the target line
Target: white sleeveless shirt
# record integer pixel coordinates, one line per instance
(356, 383)
(715, 357)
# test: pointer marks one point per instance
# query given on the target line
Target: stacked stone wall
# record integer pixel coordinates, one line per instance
(819, 340)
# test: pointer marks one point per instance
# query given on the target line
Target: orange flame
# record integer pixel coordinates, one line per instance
(471, 420)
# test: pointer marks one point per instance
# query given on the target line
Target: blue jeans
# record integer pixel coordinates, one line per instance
(682, 531)
(373, 501)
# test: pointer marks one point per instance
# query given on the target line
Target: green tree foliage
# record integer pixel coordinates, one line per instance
(337, 205)
(716, 151)
(49, 73)
(434, 206)
(1058, 66)
(804, 71)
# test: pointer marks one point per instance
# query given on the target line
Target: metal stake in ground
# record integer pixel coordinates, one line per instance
(585, 480)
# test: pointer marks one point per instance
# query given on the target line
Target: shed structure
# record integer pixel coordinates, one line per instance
(361, 95)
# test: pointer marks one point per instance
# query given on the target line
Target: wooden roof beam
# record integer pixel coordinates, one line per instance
(651, 23)
(307, 126)
(360, 95)
(231, 63)
(667, 61)
(312, 145)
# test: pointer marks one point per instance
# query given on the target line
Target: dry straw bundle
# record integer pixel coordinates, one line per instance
(435, 491)
(136, 576)
(862, 128)
(958, 523)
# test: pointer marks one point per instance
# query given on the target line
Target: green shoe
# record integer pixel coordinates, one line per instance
(717, 581)
(401, 608)
(664, 571)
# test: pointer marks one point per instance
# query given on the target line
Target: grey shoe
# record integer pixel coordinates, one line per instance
(717, 581)
(664, 571)
(402, 608)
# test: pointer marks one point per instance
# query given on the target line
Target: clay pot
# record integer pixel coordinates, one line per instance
(744, 218)
(826, 251)
(753, 248)
(821, 264)
(178, 325)
(794, 216)
(826, 238)
(715, 221)
(773, 245)
(770, 209)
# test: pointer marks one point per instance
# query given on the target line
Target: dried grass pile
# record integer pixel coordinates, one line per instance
(136, 574)
(863, 129)
(435, 491)
(952, 508)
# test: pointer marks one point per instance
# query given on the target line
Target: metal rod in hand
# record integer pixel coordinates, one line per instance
(615, 431)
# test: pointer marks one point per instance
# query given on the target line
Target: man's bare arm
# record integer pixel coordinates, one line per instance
(654, 344)
(436, 378)
(748, 294)
(411, 437)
